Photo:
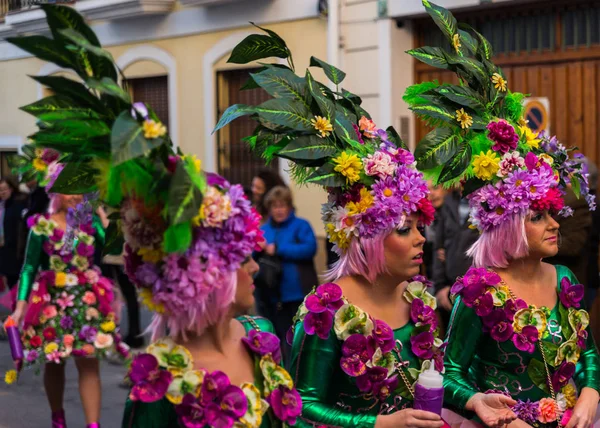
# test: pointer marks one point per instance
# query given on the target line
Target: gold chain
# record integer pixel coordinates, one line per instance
(400, 367)
(543, 352)
(252, 322)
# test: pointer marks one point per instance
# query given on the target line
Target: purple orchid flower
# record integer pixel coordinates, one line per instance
(423, 314)
(85, 250)
(263, 343)
(526, 340)
(327, 297)
(422, 279)
(215, 180)
(319, 323)
(438, 357)
(286, 404)
(150, 383)
(355, 354)
(384, 389)
(422, 345)
(213, 385)
(498, 325)
(358, 133)
(382, 337)
(562, 376)
(512, 307)
(231, 405)
(570, 294)
(458, 286)
(582, 336)
(191, 412)
(372, 377)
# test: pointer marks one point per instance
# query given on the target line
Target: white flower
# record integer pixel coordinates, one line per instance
(85, 238)
(71, 280)
(103, 340)
(561, 400)
(383, 360)
(509, 162)
(349, 320)
(56, 264)
(380, 164)
(257, 407)
(418, 290)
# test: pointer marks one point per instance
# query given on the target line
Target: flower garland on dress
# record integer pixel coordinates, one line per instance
(73, 324)
(202, 398)
(368, 344)
(507, 319)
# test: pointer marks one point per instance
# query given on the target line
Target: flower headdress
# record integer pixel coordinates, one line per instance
(185, 232)
(480, 137)
(41, 165)
(332, 141)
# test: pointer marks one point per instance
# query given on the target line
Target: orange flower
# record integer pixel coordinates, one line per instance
(68, 339)
(89, 298)
(548, 410)
(88, 349)
(367, 126)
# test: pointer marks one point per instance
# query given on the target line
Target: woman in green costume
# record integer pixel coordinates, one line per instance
(360, 342)
(520, 350)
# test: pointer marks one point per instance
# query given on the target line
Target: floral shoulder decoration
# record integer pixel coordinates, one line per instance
(507, 319)
(209, 399)
(369, 352)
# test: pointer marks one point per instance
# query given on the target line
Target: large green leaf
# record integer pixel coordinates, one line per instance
(291, 114)
(79, 40)
(457, 165)
(184, 198)
(333, 73)
(108, 86)
(127, 139)
(472, 185)
(462, 95)
(348, 114)
(469, 44)
(442, 18)
(62, 17)
(56, 107)
(436, 57)
(484, 49)
(114, 239)
(72, 144)
(77, 128)
(537, 373)
(353, 98)
(326, 106)
(326, 176)
(308, 147)
(470, 66)
(434, 111)
(232, 113)
(72, 89)
(282, 83)
(344, 130)
(178, 238)
(258, 46)
(436, 148)
(395, 138)
(43, 48)
(75, 179)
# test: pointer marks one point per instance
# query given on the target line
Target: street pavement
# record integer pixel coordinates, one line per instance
(24, 404)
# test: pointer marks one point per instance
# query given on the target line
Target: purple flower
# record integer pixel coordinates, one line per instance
(289, 336)
(32, 356)
(327, 297)
(438, 357)
(358, 134)
(78, 353)
(139, 109)
(371, 377)
(215, 180)
(570, 295)
(66, 322)
(263, 343)
(382, 337)
(355, 354)
(498, 325)
(422, 279)
(286, 404)
(88, 333)
(228, 408)
(513, 306)
(525, 341)
(318, 323)
(213, 386)
(382, 390)
(147, 274)
(85, 250)
(582, 336)
(150, 383)
(531, 161)
(422, 345)
(527, 411)
(562, 375)
(503, 135)
(422, 314)
(190, 412)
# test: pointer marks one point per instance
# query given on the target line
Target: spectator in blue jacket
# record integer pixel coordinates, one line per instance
(291, 243)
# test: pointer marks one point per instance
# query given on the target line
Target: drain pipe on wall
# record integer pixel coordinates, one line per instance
(333, 33)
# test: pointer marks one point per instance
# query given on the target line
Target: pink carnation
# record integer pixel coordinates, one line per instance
(380, 164)
(503, 135)
(509, 162)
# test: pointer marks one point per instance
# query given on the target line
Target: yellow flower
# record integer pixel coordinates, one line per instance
(463, 118)
(322, 125)
(39, 165)
(60, 280)
(456, 42)
(366, 200)
(108, 326)
(151, 255)
(530, 137)
(570, 394)
(153, 129)
(10, 377)
(546, 158)
(197, 162)
(499, 82)
(147, 299)
(338, 238)
(523, 122)
(485, 165)
(50, 348)
(349, 166)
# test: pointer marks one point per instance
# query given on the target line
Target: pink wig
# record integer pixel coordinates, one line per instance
(496, 247)
(209, 310)
(364, 257)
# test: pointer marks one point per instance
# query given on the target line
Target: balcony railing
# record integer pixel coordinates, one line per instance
(8, 6)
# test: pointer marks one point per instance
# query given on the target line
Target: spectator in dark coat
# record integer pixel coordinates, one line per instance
(14, 203)
(37, 200)
(262, 183)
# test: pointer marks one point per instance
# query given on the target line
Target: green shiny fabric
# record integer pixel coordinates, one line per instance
(161, 414)
(475, 362)
(329, 396)
(37, 259)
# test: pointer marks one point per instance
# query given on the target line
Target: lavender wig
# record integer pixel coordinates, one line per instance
(496, 247)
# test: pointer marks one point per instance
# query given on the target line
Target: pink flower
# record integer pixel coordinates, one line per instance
(426, 211)
(286, 404)
(552, 201)
(566, 417)
(382, 337)
(380, 164)
(50, 311)
(150, 383)
(326, 297)
(548, 410)
(53, 357)
(422, 345)
(570, 294)
(509, 162)
(91, 276)
(65, 300)
(319, 323)
(421, 314)
(89, 298)
(503, 135)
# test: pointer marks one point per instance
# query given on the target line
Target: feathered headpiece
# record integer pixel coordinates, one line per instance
(480, 138)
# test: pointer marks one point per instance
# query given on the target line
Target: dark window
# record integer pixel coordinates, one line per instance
(155, 92)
